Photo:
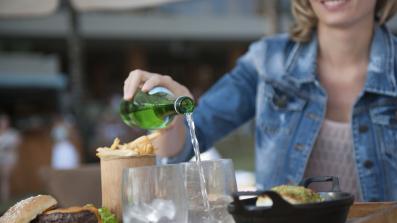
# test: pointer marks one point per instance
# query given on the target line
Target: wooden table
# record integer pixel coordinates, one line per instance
(374, 212)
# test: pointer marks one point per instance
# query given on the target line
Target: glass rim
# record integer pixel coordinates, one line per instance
(209, 162)
(175, 165)
(141, 168)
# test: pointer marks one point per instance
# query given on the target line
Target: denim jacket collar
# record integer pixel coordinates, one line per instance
(381, 77)
(301, 65)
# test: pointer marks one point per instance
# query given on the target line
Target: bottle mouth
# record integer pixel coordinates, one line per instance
(184, 104)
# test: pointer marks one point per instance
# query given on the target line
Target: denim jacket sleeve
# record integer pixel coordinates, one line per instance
(226, 106)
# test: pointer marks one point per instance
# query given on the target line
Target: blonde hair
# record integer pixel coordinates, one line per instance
(306, 19)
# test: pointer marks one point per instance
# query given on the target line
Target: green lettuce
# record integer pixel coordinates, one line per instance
(107, 216)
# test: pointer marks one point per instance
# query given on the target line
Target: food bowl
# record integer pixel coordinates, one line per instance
(333, 209)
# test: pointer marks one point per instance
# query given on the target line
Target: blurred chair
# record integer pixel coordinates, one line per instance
(73, 187)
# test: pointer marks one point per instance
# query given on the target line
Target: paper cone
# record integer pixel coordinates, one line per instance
(111, 179)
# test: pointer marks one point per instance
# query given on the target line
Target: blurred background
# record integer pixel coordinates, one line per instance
(62, 68)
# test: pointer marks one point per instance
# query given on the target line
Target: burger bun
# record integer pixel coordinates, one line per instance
(28, 209)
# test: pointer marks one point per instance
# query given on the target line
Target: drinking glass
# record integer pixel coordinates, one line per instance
(154, 194)
(220, 184)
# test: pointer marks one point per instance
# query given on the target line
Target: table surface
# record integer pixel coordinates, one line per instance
(382, 212)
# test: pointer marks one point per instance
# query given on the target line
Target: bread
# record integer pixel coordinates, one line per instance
(292, 194)
(28, 209)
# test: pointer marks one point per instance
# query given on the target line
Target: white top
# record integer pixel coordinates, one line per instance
(64, 156)
(333, 155)
(9, 141)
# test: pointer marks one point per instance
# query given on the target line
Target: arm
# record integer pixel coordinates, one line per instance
(226, 106)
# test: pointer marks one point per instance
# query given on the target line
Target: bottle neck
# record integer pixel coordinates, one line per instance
(184, 105)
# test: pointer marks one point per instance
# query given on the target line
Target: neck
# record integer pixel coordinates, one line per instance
(345, 46)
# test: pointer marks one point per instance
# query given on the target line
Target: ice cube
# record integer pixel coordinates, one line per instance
(157, 211)
(134, 213)
(162, 208)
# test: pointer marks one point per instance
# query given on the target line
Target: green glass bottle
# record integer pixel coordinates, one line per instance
(155, 109)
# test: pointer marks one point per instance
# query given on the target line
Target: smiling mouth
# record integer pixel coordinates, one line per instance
(334, 4)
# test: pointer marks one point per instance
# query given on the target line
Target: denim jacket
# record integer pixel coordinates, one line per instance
(275, 82)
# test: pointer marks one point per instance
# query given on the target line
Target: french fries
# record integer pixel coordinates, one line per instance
(139, 147)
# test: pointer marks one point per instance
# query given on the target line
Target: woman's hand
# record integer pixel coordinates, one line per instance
(146, 81)
(172, 138)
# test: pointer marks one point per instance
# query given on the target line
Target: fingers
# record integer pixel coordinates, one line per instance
(166, 81)
(146, 81)
(157, 80)
(134, 80)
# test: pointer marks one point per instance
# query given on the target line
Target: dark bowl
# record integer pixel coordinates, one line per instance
(333, 209)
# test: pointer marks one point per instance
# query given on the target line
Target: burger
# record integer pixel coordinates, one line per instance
(292, 194)
(42, 209)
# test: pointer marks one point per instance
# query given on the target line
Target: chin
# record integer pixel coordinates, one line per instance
(343, 13)
(337, 21)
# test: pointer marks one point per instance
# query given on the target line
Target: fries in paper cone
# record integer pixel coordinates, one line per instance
(117, 157)
(139, 147)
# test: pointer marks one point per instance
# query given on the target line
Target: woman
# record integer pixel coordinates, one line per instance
(324, 98)
(9, 143)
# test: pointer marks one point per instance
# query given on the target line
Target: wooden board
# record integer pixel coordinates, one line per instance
(361, 209)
